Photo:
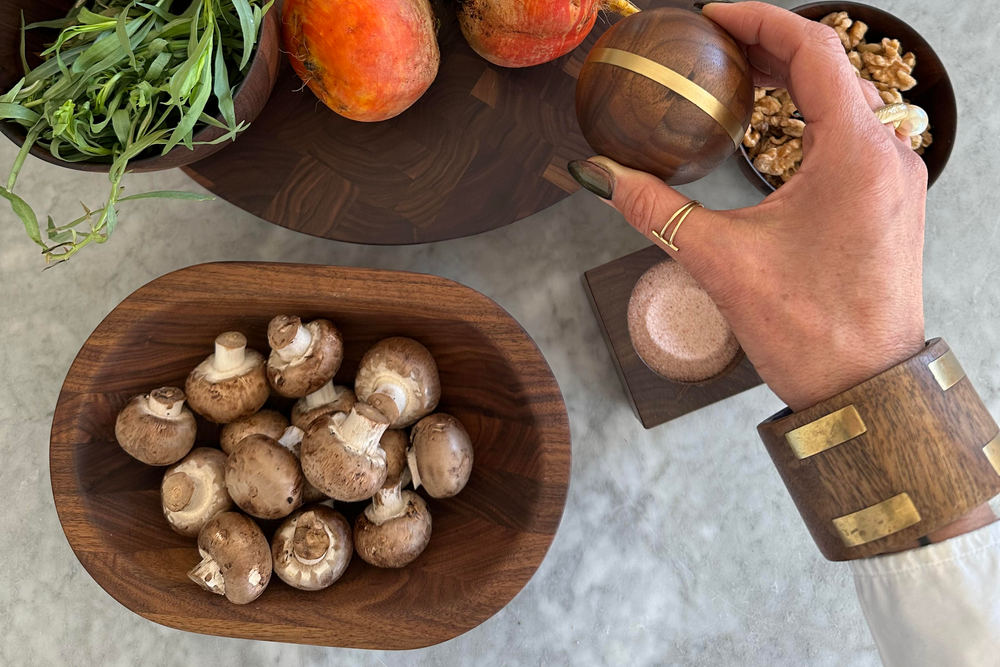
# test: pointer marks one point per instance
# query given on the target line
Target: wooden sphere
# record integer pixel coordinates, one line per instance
(645, 125)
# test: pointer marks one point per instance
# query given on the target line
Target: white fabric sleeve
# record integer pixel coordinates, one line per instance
(936, 605)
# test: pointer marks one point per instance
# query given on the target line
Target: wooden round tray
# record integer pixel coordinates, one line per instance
(486, 542)
(485, 146)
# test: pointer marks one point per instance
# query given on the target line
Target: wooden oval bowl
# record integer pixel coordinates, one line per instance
(486, 542)
(249, 100)
(646, 125)
(933, 91)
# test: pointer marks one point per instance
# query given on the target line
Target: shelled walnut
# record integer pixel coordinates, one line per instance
(774, 138)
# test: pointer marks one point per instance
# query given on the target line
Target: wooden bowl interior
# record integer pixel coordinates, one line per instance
(249, 100)
(486, 542)
(933, 92)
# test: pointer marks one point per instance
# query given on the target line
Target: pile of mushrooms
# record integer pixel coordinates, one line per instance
(337, 444)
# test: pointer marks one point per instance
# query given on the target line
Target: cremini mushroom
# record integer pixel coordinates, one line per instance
(304, 357)
(395, 528)
(230, 383)
(400, 378)
(236, 559)
(341, 456)
(326, 400)
(264, 478)
(440, 455)
(156, 428)
(291, 440)
(312, 548)
(194, 490)
(268, 422)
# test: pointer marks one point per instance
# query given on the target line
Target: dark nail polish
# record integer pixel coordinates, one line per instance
(593, 176)
(701, 5)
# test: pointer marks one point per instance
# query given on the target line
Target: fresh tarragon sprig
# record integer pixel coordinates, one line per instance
(127, 79)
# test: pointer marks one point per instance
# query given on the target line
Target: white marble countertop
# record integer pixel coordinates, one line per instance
(679, 545)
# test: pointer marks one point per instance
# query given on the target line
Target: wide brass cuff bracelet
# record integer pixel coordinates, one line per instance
(883, 464)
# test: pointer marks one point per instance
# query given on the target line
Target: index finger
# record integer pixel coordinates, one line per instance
(808, 56)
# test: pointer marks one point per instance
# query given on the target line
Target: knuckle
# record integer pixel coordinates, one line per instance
(826, 38)
(641, 207)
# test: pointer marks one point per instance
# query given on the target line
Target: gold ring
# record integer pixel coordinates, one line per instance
(679, 217)
(897, 114)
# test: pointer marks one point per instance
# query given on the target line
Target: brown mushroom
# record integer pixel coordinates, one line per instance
(400, 378)
(394, 529)
(230, 383)
(341, 456)
(304, 357)
(236, 559)
(156, 428)
(440, 456)
(312, 548)
(268, 422)
(291, 440)
(194, 490)
(326, 400)
(264, 478)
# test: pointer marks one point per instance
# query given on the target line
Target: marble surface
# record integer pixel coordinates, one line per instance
(678, 545)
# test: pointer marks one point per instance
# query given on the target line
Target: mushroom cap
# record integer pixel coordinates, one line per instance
(442, 453)
(194, 490)
(394, 443)
(150, 438)
(338, 469)
(225, 399)
(303, 416)
(315, 367)
(264, 479)
(267, 422)
(241, 553)
(318, 533)
(406, 364)
(397, 542)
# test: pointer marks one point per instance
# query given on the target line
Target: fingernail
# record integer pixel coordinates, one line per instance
(701, 5)
(593, 176)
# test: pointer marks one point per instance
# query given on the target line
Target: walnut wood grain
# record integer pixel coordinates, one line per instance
(644, 125)
(486, 542)
(654, 398)
(250, 97)
(919, 440)
(485, 146)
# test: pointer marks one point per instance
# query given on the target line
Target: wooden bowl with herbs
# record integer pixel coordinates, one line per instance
(485, 542)
(933, 90)
(250, 70)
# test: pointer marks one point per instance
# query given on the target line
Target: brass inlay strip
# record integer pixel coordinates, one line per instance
(878, 521)
(826, 432)
(675, 82)
(992, 451)
(946, 370)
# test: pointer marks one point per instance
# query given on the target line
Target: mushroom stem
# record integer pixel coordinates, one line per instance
(360, 429)
(166, 402)
(177, 491)
(311, 540)
(325, 395)
(287, 344)
(389, 399)
(388, 503)
(411, 466)
(230, 351)
(208, 575)
(291, 439)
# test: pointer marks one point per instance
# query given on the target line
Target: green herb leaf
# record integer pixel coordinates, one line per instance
(245, 13)
(25, 213)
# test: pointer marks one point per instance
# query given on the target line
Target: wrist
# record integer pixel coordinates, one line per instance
(837, 369)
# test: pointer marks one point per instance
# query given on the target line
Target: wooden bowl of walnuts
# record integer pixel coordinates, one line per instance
(441, 348)
(886, 51)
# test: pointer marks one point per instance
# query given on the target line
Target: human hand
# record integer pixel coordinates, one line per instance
(821, 282)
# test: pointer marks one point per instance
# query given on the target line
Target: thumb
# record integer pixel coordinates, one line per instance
(649, 204)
